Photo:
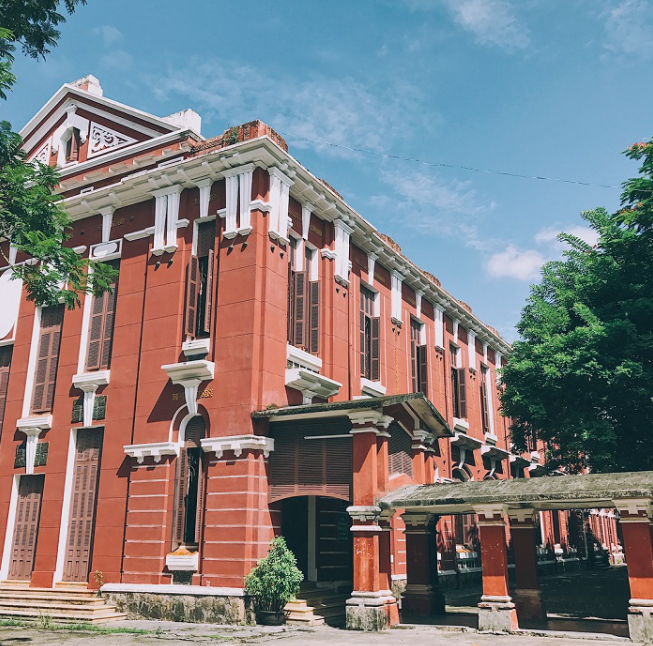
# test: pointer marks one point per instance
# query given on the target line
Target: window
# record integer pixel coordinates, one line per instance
(73, 146)
(48, 359)
(458, 385)
(370, 345)
(303, 299)
(485, 405)
(199, 284)
(5, 363)
(101, 333)
(400, 452)
(190, 485)
(418, 358)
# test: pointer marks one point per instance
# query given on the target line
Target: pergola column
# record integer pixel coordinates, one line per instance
(422, 596)
(369, 607)
(496, 611)
(638, 546)
(527, 598)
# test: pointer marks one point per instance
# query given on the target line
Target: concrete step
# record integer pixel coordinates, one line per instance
(35, 599)
(62, 608)
(61, 618)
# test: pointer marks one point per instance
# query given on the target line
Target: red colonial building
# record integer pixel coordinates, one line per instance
(267, 363)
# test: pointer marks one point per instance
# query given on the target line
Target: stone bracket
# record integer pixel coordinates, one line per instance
(32, 427)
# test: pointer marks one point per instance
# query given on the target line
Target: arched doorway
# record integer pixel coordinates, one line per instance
(191, 477)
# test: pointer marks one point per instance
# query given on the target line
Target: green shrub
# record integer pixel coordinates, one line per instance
(275, 579)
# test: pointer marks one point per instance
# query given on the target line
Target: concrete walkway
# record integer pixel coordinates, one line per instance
(175, 634)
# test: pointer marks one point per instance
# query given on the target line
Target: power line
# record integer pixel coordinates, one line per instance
(487, 171)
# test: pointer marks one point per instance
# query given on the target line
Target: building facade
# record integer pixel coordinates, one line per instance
(267, 363)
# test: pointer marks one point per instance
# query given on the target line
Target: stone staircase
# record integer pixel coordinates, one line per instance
(65, 604)
(316, 606)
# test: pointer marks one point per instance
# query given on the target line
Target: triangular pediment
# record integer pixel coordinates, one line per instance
(80, 125)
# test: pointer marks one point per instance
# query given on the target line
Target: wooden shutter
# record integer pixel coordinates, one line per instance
(5, 362)
(199, 517)
(291, 303)
(83, 503)
(299, 310)
(205, 238)
(422, 353)
(26, 527)
(101, 330)
(363, 341)
(462, 392)
(73, 146)
(484, 407)
(208, 293)
(192, 294)
(314, 317)
(400, 452)
(182, 478)
(414, 361)
(375, 349)
(48, 359)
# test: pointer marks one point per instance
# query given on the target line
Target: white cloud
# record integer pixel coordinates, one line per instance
(514, 263)
(430, 205)
(550, 235)
(339, 111)
(118, 59)
(629, 28)
(109, 34)
(492, 22)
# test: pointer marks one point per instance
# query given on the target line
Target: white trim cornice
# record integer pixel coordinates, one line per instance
(237, 444)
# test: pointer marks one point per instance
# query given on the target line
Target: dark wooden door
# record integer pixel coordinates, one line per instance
(23, 549)
(79, 546)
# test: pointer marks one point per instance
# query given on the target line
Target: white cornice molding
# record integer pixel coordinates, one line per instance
(237, 444)
(154, 450)
(263, 152)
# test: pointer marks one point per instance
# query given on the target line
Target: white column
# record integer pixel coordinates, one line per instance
(439, 326)
(275, 194)
(172, 217)
(284, 200)
(204, 187)
(307, 210)
(490, 399)
(231, 213)
(418, 303)
(497, 365)
(107, 219)
(371, 264)
(455, 331)
(160, 208)
(342, 231)
(245, 181)
(471, 348)
(395, 294)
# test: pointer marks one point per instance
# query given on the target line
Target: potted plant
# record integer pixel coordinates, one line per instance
(274, 581)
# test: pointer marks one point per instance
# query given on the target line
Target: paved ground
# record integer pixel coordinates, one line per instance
(171, 634)
(593, 601)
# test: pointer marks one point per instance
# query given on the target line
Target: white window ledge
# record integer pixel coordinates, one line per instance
(155, 450)
(372, 388)
(494, 452)
(311, 384)
(491, 438)
(183, 562)
(535, 457)
(461, 425)
(466, 441)
(302, 359)
(237, 444)
(91, 381)
(30, 425)
(519, 461)
(196, 347)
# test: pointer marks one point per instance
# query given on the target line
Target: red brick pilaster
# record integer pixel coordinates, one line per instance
(496, 610)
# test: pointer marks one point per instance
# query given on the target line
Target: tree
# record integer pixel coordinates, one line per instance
(581, 376)
(31, 217)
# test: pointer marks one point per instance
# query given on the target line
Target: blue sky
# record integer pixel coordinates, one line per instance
(553, 88)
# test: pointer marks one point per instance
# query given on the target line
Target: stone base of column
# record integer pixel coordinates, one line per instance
(640, 620)
(391, 607)
(367, 611)
(497, 615)
(529, 604)
(422, 601)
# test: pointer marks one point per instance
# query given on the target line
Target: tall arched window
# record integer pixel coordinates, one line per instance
(190, 485)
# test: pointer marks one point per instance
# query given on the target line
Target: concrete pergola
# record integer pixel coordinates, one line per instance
(499, 502)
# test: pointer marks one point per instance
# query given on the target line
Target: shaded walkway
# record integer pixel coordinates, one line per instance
(589, 601)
